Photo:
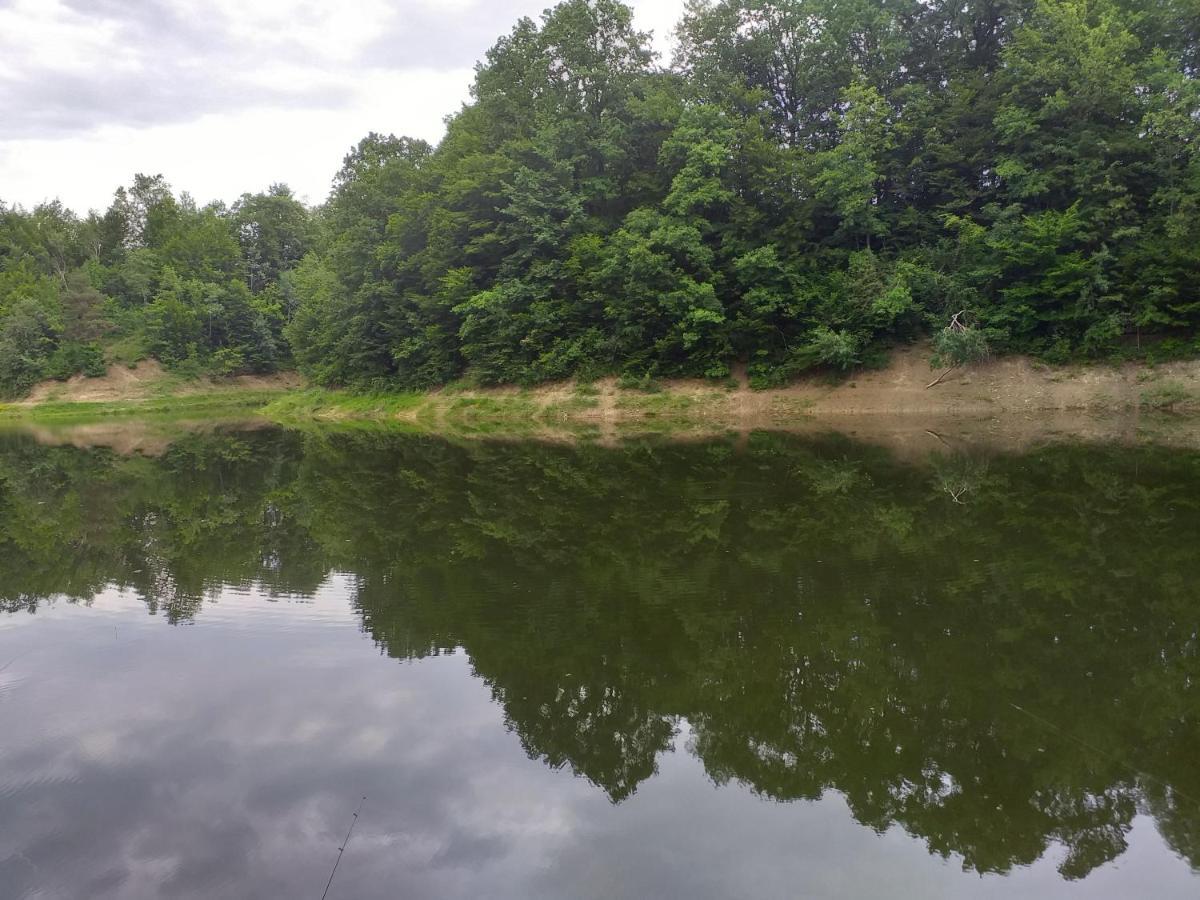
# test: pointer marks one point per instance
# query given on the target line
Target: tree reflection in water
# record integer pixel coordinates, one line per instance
(995, 654)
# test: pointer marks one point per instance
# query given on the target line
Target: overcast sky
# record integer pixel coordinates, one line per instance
(227, 96)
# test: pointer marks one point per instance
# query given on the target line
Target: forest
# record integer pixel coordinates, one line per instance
(803, 185)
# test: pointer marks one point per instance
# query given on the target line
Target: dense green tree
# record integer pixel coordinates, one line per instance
(807, 183)
(199, 287)
(812, 181)
(274, 230)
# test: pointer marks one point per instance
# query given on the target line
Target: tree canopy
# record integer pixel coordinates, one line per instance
(805, 183)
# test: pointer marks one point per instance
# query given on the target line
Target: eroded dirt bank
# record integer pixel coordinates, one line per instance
(149, 380)
(1010, 403)
(1000, 385)
(1014, 398)
(1006, 385)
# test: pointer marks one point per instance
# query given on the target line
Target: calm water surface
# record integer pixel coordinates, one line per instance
(777, 668)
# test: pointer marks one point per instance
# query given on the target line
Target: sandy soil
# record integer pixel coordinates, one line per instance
(148, 379)
(1007, 384)
(998, 386)
(1002, 385)
(1010, 403)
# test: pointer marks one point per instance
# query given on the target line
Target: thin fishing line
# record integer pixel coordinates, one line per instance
(342, 849)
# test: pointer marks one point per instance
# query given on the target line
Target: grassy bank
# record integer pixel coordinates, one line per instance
(214, 403)
(589, 413)
(1000, 389)
(570, 408)
(1004, 388)
(500, 411)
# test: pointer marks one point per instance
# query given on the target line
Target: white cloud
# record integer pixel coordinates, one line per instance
(44, 32)
(327, 30)
(221, 156)
(227, 96)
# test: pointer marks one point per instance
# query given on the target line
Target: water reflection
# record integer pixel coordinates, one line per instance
(997, 655)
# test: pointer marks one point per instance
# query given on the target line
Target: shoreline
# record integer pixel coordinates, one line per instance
(1009, 401)
(998, 387)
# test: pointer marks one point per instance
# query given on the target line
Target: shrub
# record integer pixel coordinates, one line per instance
(839, 349)
(1167, 396)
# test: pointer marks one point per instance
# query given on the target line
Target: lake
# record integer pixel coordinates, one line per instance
(763, 666)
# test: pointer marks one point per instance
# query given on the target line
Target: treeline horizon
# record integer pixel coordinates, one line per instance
(805, 184)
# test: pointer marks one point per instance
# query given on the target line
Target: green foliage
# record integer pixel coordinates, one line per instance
(71, 358)
(274, 231)
(828, 178)
(27, 338)
(809, 182)
(644, 383)
(958, 346)
(1167, 396)
(838, 349)
(204, 290)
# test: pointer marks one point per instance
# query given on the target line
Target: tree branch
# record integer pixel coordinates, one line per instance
(938, 380)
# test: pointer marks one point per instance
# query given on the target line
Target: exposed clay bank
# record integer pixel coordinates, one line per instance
(1014, 398)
